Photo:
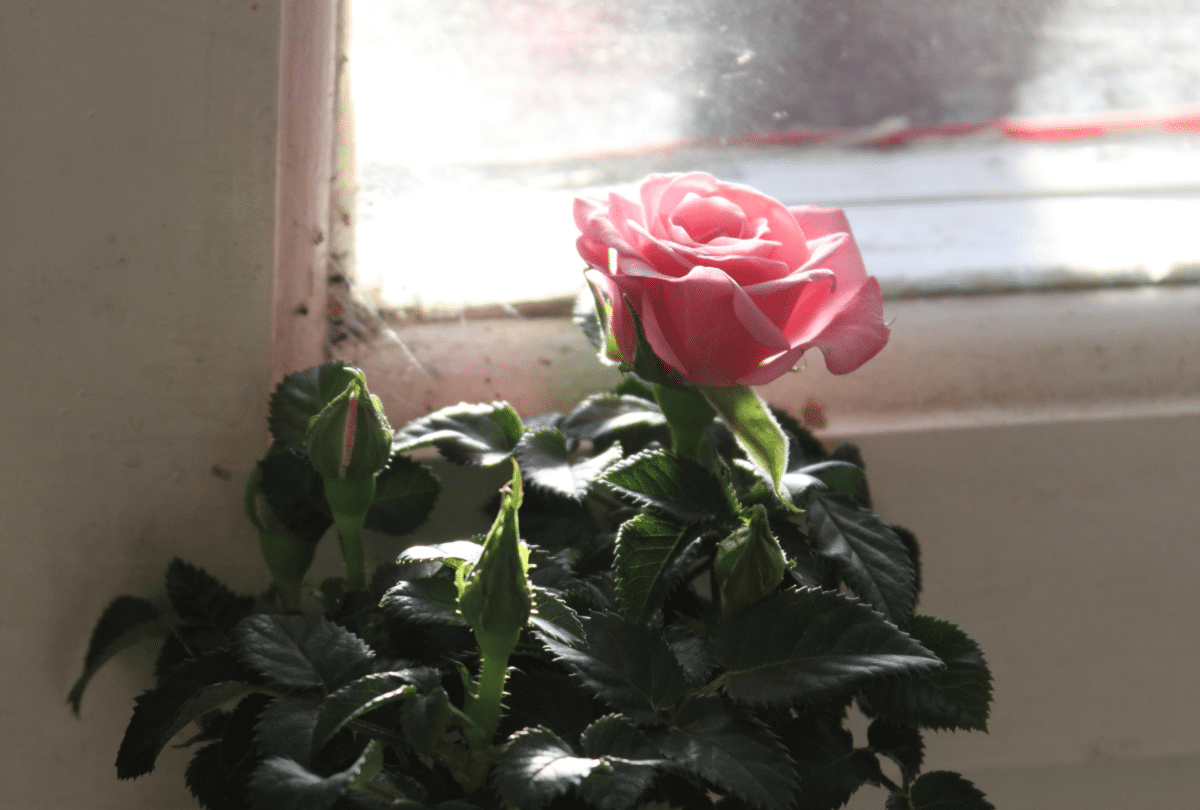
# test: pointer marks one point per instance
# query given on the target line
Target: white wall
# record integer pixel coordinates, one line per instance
(137, 166)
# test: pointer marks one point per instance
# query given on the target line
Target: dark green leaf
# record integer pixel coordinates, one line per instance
(551, 617)
(172, 653)
(956, 696)
(465, 434)
(801, 645)
(681, 567)
(602, 416)
(829, 767)
(750, 419)
(126, 621)
(945, 790)
(356, 699)
(303, 395)
(219, 775)
(212, 727)
(405, 492)
(693, 651)
(301, 652)
(632, 760)
(628, 665)
(866, 553)
(548, 698)
(682, 790)
(804, 447)
(914, 552)
(849, 453)
(544, 456)
(427, 601)
(282, 783)
(840, 476)
(217, 783)
(293, 489)
(453, 553)
(900, 743)
(679, 488)
(554, 523)
(644, 545)
(733, 751)
(425, 718)
(200, 598)
(633, 387)
(536, 766)
(285, 727)
(615, 735)
(189, 691)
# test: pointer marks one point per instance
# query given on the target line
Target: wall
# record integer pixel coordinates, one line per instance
(137, 182)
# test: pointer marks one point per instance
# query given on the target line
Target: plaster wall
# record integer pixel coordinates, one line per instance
(137, 183)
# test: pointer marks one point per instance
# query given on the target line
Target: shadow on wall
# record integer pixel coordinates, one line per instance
(852, 63)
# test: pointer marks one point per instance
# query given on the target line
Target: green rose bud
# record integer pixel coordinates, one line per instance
(349, 442)
(495, 596)
(749, 563)
(287, 556)
(350, 438)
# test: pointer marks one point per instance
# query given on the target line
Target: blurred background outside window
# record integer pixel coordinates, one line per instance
(478, 121)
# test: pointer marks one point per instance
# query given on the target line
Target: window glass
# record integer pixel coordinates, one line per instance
(477, 122)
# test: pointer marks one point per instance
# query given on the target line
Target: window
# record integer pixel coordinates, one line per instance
(478, 122)
(977, 147)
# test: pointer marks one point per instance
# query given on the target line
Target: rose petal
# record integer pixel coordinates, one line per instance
(857, 333)
(707, 321)
(853, 336)
(704, 219)
(818, 222)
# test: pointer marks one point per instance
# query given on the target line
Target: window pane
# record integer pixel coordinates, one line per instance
(479, 120)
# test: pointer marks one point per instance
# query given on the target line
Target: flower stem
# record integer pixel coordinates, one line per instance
(350, 538)
(688, 416)
(349, 501)
(484, 707)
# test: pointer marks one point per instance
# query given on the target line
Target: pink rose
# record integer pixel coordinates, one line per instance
(731, 287)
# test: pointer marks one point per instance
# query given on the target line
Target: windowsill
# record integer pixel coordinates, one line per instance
(953, 361)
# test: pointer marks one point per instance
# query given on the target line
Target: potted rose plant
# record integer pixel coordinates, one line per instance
(681, 596)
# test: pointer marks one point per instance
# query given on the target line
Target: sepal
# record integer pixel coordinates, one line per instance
(749, 564)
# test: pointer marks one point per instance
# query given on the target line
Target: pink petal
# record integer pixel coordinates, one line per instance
(820, 222)
(857, 333)
(704, 219)
(710, 324)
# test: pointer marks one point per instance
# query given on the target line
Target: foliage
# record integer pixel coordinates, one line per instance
(647, 625)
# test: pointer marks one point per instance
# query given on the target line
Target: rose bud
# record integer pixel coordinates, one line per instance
(495, 597)
(349, 442)
(731, 286)
(749, 563)
(350, 438)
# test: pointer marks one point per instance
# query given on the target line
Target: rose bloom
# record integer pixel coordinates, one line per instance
(731, 286)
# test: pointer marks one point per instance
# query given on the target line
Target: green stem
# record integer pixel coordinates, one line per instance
(484, 707)
(349, 501)
(688, 416)
(350, 537)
